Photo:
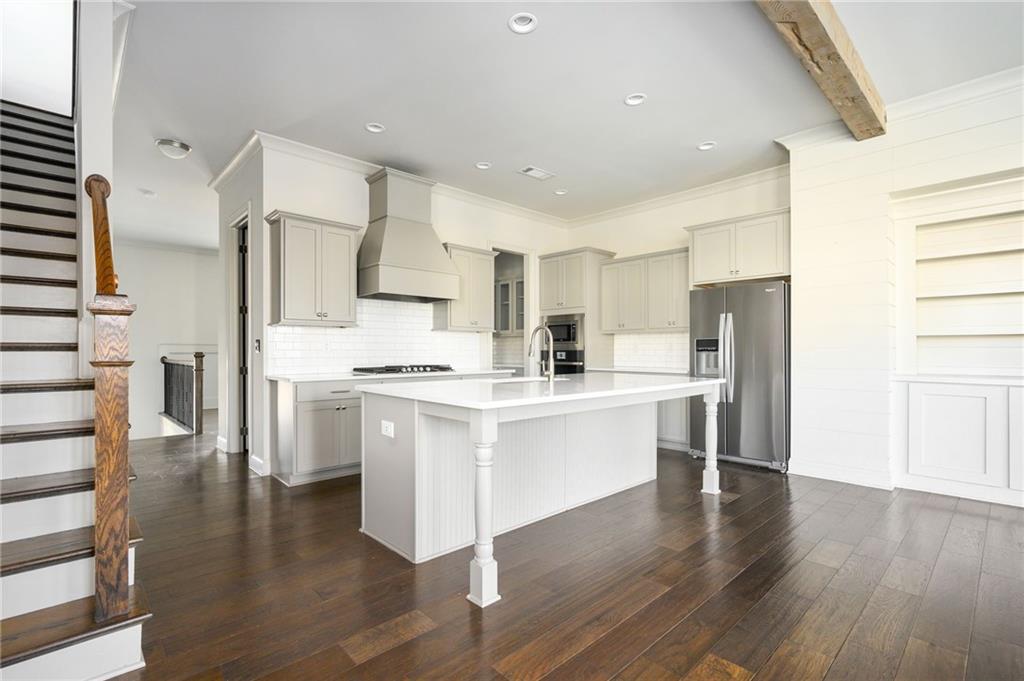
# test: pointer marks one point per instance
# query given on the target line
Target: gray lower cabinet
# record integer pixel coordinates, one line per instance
(327, 434)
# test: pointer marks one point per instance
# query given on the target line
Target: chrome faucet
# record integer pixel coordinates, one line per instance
(550, 373)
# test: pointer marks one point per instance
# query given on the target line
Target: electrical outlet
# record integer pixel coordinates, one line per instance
(387, 428)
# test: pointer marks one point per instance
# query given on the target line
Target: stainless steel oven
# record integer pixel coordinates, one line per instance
(566, 361)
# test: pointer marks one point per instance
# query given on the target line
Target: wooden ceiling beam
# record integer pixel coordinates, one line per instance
(817, 37)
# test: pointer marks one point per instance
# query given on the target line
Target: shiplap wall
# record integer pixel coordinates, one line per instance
(844, 264)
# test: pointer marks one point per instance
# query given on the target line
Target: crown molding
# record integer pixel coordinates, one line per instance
(237, 160)
(311, 153)
(976, 90)
(812, 137)
(720, 187)
(449, 191)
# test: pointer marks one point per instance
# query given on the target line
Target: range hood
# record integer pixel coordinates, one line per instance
(401, 257)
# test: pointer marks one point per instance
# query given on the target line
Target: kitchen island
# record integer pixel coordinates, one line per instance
(448, 464)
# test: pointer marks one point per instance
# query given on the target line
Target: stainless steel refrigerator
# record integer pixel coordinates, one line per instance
(741, 332)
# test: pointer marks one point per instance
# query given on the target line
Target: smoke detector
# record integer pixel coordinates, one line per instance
(536, 173)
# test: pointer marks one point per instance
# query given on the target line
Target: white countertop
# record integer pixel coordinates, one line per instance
(518, 392)
(643, 370)
(349, 376)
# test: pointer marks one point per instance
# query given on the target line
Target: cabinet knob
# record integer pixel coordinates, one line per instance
(325, 315)
(337, 409)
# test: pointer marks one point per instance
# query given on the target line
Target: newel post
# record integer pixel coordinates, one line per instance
(197, 394)
(110, 361)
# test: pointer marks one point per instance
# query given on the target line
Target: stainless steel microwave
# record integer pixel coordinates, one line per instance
(566, 331)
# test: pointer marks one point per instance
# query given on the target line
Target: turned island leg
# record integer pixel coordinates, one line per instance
(711, 443)
(483, 569)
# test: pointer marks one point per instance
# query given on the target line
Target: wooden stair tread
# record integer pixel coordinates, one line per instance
(38, 231)
(51, 549)
(50, 484)
(30, 432)
(37, 281)
(39, 255)
(10, 346)
(49, 385)
(43, 631)
(38, 311)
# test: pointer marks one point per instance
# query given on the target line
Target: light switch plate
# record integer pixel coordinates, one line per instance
(387, 428)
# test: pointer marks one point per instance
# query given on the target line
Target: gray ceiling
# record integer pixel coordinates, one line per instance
(454, 86)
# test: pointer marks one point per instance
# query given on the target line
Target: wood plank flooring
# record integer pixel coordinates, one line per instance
(783, 578)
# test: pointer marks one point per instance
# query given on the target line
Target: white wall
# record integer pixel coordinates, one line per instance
(36, 48)
(178, 297)
(844, 261)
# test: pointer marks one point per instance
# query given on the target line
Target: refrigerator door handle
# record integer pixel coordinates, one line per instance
(723, 356)
(730, 344)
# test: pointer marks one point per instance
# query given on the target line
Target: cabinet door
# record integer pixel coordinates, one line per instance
(632, 300)
(680, 291)
(573, 281)
(761, 247)
(661, 297)
(481, 280)
(502, 306)
(301, 270)
(713, 253)
(550, 283)
(610, 275)
(459, 309)
(351, 434)
(519, 306)
(338, 296)
(318, 444)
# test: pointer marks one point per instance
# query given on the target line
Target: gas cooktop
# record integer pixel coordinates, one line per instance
(403, 369)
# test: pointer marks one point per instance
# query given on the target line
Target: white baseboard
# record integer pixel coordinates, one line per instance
(952, 488)
(256, 465)
(674, 445)
(853, 476)
(222, 443)
(305, 478)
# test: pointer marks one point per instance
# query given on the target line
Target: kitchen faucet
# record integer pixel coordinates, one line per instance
(550, 373)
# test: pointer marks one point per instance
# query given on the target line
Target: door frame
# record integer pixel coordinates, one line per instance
(230, 417)
(531, 299)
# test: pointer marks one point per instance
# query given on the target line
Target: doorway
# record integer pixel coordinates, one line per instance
(510, 316)
(243, 335)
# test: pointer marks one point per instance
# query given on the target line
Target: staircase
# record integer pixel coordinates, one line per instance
(70, 606)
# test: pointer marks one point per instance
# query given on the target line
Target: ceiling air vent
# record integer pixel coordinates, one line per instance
(536, 173)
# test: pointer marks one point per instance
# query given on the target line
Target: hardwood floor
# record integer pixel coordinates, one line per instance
(781, 578)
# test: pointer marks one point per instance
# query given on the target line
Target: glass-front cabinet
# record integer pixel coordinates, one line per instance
(509, 306)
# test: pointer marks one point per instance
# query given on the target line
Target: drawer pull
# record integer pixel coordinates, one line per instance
(340, 392)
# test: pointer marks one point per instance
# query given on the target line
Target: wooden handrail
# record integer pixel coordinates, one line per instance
(110, 361)
(98, 189)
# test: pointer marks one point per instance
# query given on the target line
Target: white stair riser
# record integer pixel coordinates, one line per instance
(52, 585)
(67, 143)
(40, 457)
(59, 156)
(31, 518)
(40, 167)
(41, 183)
(30, 219)
(28, 295)
(14, 107)
(30, 366)
(19, 328)
(96, 659)
(36, 242)
(44, 407)
(37, 200)
(37, 267)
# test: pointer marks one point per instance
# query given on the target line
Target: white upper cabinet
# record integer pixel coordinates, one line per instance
(313, 271)
(753, 248)
(646, 293)
(509, 314)
(668, 291)
(563, 282)
(473, 310)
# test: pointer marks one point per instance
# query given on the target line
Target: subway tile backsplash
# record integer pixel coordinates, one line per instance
(660, 350)
(389, 332)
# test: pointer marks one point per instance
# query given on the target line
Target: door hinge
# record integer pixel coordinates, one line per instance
(243, 248)
(244, 432)
(243, 309)
(244, 371)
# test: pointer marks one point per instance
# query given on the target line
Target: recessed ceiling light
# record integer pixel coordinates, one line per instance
(483, 165)
(148, 193)
(375, 128)
(522, 23)
(635, 99)
(707, 146)
(561, 192)
(175, 149)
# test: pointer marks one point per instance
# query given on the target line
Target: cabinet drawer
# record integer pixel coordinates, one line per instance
(329, 390)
